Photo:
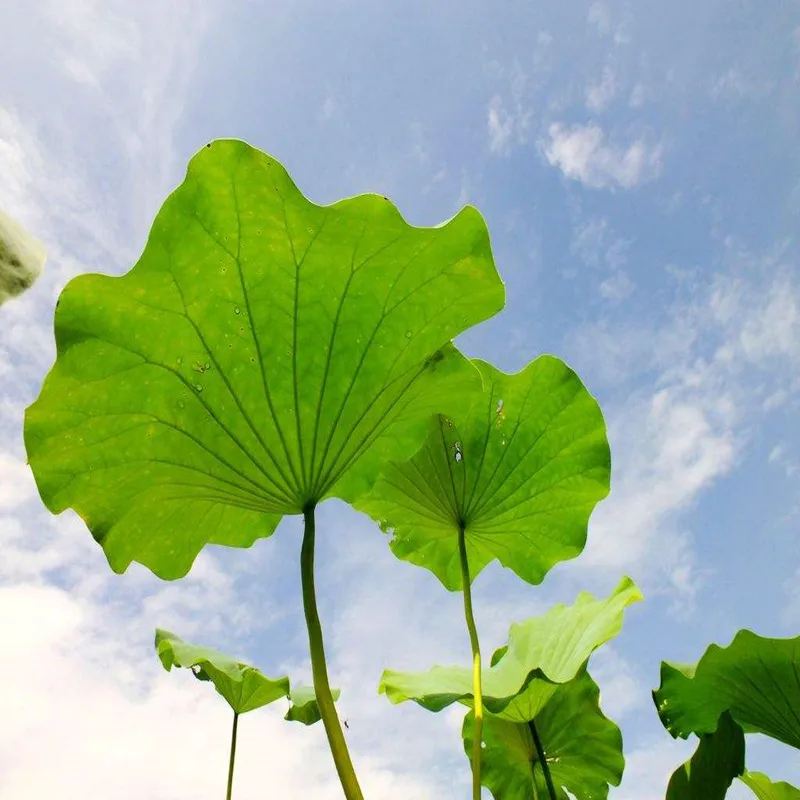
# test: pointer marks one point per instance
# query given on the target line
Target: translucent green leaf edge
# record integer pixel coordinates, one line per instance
(755, 678)
(520, 473)
(304, 707)
(22, 258)
(244, 687)
(551, 647)
(715, 764)
(765, 789)
(582, 746)
(264, 353)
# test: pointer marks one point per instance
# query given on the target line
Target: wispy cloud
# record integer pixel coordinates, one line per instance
(601, 93)
(595, 242)
(617, 287)
(724, 350)
(508, 122)
(582, 153)
(501, 126)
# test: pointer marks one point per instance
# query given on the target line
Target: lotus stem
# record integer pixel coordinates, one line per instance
(537, 743)
(233, 755)
(319, 669)
(477, 692)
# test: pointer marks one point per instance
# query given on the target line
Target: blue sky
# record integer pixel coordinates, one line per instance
(638, 168)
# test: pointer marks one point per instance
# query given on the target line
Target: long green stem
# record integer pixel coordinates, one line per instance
(537, 743)
(477, 692)
(319, 669)
(233, 755)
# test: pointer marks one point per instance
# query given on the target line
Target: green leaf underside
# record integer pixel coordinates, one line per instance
(583, 748)
(264, 353)
(521, 471)
(718, 760)
(21, 258)
(243, 686)
(304, 707)
(764, 789)
(755, 678)
(547, 649)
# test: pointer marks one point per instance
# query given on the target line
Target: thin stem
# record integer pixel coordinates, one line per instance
(537, 743)
(319, 669)
(233, 755)
(477, 692)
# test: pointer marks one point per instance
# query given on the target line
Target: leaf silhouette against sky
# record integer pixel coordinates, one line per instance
(713, 767)
(551, 648)
(263, 354)
(520, 471)
(755, 678)
(244, 687)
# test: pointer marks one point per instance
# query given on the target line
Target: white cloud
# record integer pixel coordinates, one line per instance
(599, 95)
(501, 126)
(329, 107)
(582, 154)
(617, 287)
(621, 690)
(637, 96)
(668, 446)
(596, 243)
(600, 18)
(649, 767)
(710, 367)
(733, 86)
(508, 123)
(102, 716)
(781, 457)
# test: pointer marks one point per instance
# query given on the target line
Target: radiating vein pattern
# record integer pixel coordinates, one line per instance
(522, 471)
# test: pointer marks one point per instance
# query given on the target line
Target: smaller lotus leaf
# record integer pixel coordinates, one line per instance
(718, 760)
(304, 707)
(765, 789)
(551, 648)
(755, 678)
(243, 686)
(582, 747)
(519, 473)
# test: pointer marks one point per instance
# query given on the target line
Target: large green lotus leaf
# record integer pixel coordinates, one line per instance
(263, 354)
(755, 678)
(718, 760)
(583, 748)
(551, 648)
(243, 686)
(304, 707)
(21, 258)
(521, 472)
(764, 789)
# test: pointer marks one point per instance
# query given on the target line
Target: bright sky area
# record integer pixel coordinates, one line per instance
(637, 165)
